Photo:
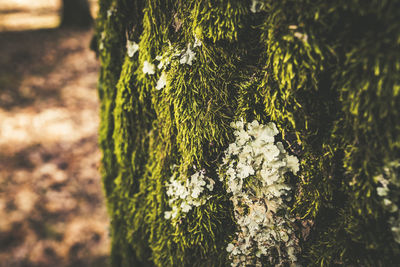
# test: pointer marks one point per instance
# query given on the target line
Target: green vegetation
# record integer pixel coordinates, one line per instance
(326, 72)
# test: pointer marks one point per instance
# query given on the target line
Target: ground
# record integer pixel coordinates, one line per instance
(52, 210)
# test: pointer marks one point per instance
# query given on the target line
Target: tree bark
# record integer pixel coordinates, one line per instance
(76, 13)
(179, 83)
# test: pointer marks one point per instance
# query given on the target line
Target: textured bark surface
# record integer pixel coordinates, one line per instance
(76, 13)
(326, 72)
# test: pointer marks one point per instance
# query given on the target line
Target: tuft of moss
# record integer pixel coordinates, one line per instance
(327, 73)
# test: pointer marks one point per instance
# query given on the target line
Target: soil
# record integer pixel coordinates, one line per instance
(52, 207)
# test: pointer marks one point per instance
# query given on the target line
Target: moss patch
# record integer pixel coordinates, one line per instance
(326, 72)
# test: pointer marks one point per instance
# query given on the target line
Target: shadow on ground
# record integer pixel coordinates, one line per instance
(27, 59)
(52, 210)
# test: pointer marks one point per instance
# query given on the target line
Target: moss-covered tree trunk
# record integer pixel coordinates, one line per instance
(76, 13)
(194, 170)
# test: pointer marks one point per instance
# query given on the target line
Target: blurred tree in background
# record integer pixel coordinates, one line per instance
(175, 74)
(76, 13)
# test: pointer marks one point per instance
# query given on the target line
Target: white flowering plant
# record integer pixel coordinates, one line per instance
(187, 193)
(253, 171)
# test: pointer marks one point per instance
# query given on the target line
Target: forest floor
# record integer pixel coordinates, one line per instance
(52, 208)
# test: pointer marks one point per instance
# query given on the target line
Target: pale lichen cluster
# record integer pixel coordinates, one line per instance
(254, 170)
(389, 191)
(185, 194)
(256, 6)
(185, 56)
(131, 48)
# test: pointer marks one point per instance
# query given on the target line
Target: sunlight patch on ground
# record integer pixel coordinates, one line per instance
(19, 15)
(29, 4)
(26, 14)
(24, 128)
(23, 21)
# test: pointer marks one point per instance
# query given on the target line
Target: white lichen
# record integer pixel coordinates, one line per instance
(185, 56)
(256, 6)
(170, 56)
(111, 12)
(162, 81)
(184, 195)
(253, 171)
(148, 68)
(102, 40)
(197, 42)
(188, 56)
(131, 48)
(389, 190)
(301, 36)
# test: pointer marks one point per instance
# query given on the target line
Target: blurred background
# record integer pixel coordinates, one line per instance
(52, 209)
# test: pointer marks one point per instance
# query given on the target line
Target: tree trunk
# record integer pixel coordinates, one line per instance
(251, 133)
(76, 13)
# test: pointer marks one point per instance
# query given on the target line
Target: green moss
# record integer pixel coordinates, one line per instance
(326, 72)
